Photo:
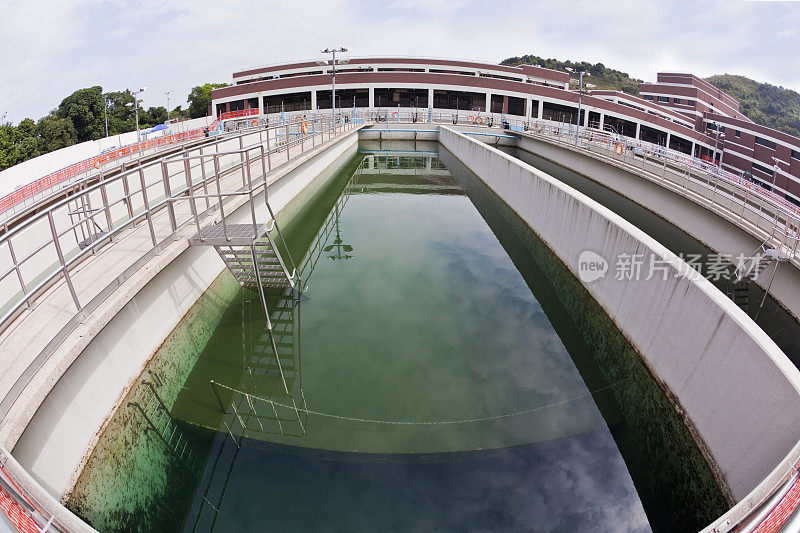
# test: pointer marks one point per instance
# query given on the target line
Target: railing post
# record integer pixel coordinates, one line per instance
(190, 190)
(168, 194)
(288, 157)
(16, 267)
(126, 189)
(148, 215)
(61, 261)
(219, 198)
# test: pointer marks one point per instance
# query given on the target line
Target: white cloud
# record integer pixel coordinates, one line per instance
(182, 43)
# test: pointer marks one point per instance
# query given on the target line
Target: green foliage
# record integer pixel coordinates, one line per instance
(84, 108)
(765, 104)
(600, 76)
(80, 117)
(200, 98)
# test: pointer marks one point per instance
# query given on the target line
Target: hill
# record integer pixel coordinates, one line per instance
(601, 76)
(771, 106)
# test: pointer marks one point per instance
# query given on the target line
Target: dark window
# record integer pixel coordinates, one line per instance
(345, 98)
(252, 103)
(463, 100)
(680, 144)
(676, 100)
(738, 134)
(648, 96)
(652, 135)
(619, 126)
(535, 108)
(594, 119)
(401, 70)
(762, 168)
(561, 113)
(516, 106)
(764, 142)
(796, 154)
(663, 99)
(238, 105)
(497, 103)
(287, 102)
(690, 102)
(401, 97)
(452, 72)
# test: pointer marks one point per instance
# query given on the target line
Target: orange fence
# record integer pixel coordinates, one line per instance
(87, 165)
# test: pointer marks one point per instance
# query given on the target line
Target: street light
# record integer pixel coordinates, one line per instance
(775, 169)
(580, 94)
(333, 74)
(136, 107)
(167, 93)
(105, 111)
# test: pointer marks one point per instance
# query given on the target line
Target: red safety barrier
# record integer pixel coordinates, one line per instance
(91, 163)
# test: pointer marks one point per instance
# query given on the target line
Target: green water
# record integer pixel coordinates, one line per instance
(442, 370)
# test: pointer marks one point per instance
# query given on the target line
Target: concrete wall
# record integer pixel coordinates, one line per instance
(64, 429)
(739, 391)
(693, 218)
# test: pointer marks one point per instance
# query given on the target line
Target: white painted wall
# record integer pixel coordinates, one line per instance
(739, 390)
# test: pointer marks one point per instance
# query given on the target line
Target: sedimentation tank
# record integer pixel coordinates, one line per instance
(365, 324)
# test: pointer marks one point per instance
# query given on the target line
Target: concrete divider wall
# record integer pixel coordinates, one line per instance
(737, 388)
(64, 429)
(692, 217)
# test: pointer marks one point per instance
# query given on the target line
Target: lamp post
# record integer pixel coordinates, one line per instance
(136, 107)
(105, 111)
(167, 93)
(775, 169)
(333, 74)
(580, 98)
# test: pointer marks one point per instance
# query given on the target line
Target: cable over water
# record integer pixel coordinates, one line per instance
(423, 422)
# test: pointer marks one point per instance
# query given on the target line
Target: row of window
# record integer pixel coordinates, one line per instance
(665, 100)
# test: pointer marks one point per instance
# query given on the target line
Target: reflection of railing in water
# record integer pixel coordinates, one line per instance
(159, 421)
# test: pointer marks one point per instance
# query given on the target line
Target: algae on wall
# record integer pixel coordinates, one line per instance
(132, 473)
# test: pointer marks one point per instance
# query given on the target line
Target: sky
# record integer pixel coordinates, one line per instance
(48, 49)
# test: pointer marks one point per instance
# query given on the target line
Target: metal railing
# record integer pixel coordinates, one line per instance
(45, 248)
(734, 197)
(92, 167)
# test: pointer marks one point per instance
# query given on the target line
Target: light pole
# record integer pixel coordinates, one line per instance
(775, 169)
(333, 74)
(105, 111)
(580, 95)
(136, 107)
(167, 93)
(716, 140)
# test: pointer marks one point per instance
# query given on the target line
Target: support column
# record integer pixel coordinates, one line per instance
(602, 124)
(430, 98)
(260, 104)
(669, 135)
(488, 102)
(505, 105)
(541, 110)
(528, 108)
(371, 97)
(638, 129)
(314, 100)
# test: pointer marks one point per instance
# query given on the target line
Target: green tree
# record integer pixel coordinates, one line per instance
(54, 133)
(84, 108)
(200, 98)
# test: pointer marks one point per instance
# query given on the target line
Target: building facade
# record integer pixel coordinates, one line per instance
(678, 111)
